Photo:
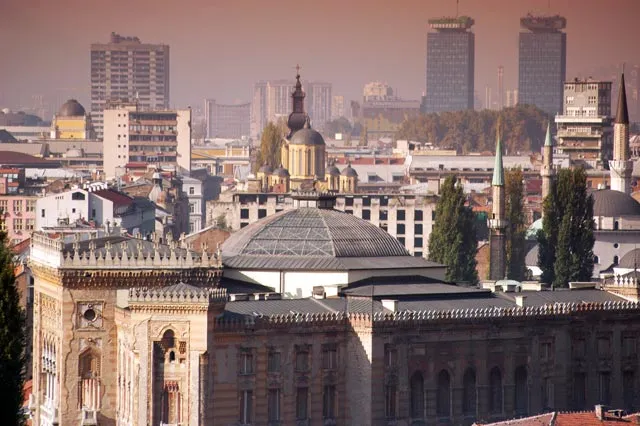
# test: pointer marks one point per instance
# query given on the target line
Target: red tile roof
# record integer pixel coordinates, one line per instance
(18, 159)
(117, 198)
(589, 418)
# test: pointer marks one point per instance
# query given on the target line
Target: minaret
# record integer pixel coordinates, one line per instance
(621, 166)
(497, 223)
(547, 171)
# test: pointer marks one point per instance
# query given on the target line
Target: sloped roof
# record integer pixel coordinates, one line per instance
(610, 203)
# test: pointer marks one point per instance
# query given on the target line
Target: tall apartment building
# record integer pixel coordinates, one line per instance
(135, 137)
(227, 121)
(584, 128)
(127, 69)
(542, 62)
(450, 65)
(318, 102)
(337, 107)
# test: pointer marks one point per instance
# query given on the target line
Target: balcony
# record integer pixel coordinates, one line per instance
(89, 417)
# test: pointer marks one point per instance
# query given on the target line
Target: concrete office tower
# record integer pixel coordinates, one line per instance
(126, 69)
(319, 103)
(450, 65)
(547, 171)
(621, 166)
(498, 222)
(542, 62)
(137, 138)
(227, 121)
(584, 128)
(337, 107)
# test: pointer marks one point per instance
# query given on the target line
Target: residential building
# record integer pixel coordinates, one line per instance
(193, 189)
(227, 121)
(127, 69)
(450, 65)
(142, 138)
(542, 62)
(319, 100)
(17, 208)
(337, 107)
(232, 159)
(584, 127)
(96, 206)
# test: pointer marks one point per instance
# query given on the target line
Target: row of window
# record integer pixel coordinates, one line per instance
(301, 364)
(18, 206)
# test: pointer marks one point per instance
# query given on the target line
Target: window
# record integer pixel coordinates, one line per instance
(418, 215)
(417, 229)
(30, 224)
(17, 206)
(93, 213)
(262, 213)
(390, 356)
(579, 348)
(628, 346)
(604, 387)
(17, 224)
(31, 205)
(244, 213)
(78, 196)
(443, 401)
(547, 389)
(192, 208)
(495, 391)
(246, 403)
(246, 362)
(273, 405)
(366, 201)
(4, 205)
(628, 389)
(400, 215)
(390, 401)
(545, 351)
(521, 394)
(384, 215)
(579, 391)
(615, 260)
(302, 360)
(273, 362)
(329, 357)
(400, 229)
(348, 201)
(417, 396)
(302, 396)
(418, 242)
(192, 190)
(366, 214)
(384, 201)
(329, 402)
(469, 393)
(603, 347)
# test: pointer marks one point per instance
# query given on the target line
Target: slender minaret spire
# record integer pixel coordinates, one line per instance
(547, 171)
(497, 223)
(621, 166)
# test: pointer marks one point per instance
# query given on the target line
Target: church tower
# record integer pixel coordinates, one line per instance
(621, 166)
(547, 171)
(497, 223)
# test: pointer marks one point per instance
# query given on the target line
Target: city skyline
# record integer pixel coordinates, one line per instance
(392, 50)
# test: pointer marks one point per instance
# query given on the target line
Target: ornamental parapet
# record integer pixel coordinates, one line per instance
(179, 293)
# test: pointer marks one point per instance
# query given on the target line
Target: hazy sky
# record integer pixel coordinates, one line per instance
(219, 48)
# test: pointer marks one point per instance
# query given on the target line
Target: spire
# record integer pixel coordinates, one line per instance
(622, 115)
(298, 117)
(498, 171)
(547, 138)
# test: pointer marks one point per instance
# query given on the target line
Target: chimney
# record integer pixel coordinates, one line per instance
(601, 412)
(520, 301)
(390, 304)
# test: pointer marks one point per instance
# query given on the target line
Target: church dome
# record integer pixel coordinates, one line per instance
(332, 171)
(349, 171)
(308, 237)
(610, 203)
(631, 260)
(71, 108)
(307, 136)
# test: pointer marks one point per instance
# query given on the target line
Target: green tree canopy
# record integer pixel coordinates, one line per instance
(567, 236)
(516, 228)
(453, 239)
(522, 129)
(270, 146)
(12, 340)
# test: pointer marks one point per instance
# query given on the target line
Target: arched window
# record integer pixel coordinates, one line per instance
(596, 260)
(521, 394)
(615, 260)
(168, 339)
(469, 393)
(616, 225)
(443, 401)
(417, 395)
(89, 372)
(495, 391)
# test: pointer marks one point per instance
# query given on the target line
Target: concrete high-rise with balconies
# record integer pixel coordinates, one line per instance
(125, 69)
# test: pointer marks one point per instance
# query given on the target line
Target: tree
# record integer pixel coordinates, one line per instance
(270, 145)
(12, 341)
(567, 236)
(364, 138)
(221, 222)
(453, 239)
(516, 228)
